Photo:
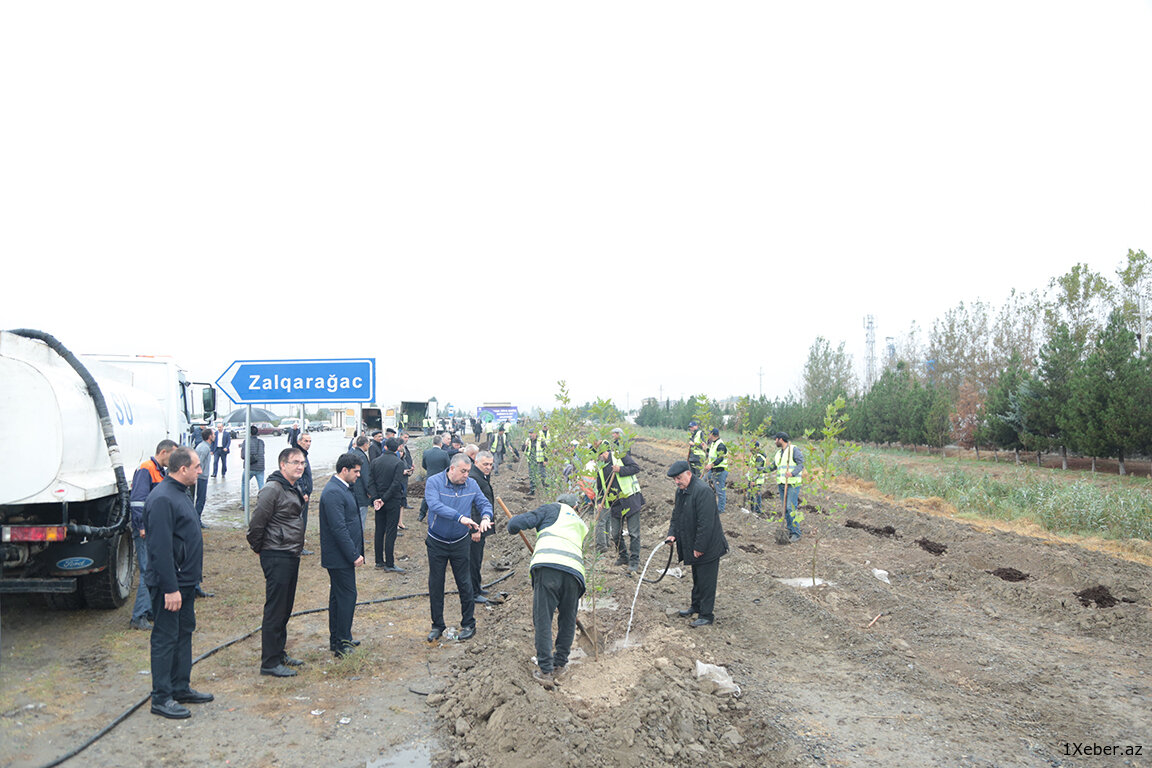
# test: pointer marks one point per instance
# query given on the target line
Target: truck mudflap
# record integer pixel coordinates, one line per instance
(25, 586)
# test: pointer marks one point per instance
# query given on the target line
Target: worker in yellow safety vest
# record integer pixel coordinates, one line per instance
(697, 451)
(618, 496)
(557, 570)
(788, 464)
(535, 450)
(717, 469)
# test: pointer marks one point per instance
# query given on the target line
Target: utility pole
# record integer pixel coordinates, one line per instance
(870, 353)
(761, 381)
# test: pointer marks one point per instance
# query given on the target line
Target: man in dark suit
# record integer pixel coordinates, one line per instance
(481, 472)
(360, 487)
(220, 449)
(434, 460)
(341, 550)
(699, 538)
(385, 486)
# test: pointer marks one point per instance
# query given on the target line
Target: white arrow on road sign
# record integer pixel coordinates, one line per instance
(300, 381)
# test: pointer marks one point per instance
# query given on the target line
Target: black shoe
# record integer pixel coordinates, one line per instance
(288, 661)
(701, 622)
(141, 623)
(278, 671)
(394, 569)
(193, 697)
(354, 642)
(685, 613)
(380, 565)
(466, 633)
(481, 600)
(171, 710)
(343, 650)
(621, 561)
(201, 593)
(484, 592)
(434, 635)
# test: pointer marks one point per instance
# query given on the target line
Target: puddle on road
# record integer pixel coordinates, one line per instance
(411, 756)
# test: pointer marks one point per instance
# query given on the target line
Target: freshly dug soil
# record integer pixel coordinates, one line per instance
(1098, 594)
(1009, 574)
(943, 666)
(886, 530)
(931, 546)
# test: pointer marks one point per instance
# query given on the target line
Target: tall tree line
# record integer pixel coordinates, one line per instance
(1067, 370)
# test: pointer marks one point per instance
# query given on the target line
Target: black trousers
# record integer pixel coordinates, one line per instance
(704, 578)
(387, 518)
(476, 552)
(616, 520)
(554, 590)
(281, 570)
(341, 605)
(458, 554)
(172, 644)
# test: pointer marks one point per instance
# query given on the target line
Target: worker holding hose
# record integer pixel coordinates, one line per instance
(699, 538)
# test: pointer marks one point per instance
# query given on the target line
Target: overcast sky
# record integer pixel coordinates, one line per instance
(640, 198)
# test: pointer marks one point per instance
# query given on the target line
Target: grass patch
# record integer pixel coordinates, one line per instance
(1068, 506)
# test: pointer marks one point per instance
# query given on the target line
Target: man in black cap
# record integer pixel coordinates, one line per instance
(699, 538)
(788, 464)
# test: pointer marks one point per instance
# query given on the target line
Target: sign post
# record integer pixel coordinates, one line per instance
(296, 381)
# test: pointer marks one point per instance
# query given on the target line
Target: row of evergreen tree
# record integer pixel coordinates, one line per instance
(1063, 371)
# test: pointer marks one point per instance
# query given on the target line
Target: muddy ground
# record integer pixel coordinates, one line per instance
(945, 663)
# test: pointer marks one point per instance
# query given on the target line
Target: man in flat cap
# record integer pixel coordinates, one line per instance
(699, 538)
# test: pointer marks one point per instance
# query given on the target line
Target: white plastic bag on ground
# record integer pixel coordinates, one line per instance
(718, 675)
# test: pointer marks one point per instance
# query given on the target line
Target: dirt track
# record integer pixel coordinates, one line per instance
(962, 668)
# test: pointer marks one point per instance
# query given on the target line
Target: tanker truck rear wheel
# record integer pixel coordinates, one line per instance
(110, 587)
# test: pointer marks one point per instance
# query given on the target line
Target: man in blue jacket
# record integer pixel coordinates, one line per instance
(341, 550)
(175, 562)
(450, 496)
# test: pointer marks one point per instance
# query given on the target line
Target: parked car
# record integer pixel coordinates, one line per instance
(287, 424)
(268, 428)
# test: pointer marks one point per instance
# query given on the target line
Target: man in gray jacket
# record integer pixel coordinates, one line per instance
(276, 533)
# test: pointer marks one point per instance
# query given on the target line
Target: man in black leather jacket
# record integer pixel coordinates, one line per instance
(276, 533)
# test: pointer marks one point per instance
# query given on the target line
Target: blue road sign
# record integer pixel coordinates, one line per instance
(300, 381)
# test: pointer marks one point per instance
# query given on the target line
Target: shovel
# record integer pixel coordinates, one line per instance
(590, 641)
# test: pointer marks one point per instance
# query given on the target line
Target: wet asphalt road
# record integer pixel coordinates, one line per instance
(223, 507)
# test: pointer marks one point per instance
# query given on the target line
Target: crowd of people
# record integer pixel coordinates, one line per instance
(167, 502)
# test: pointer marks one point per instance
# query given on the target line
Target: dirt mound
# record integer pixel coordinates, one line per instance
(416, 489)
(931, 546)
(887, 530)
(1009, 574)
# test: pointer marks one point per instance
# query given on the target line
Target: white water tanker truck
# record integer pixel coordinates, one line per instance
(74, 430)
